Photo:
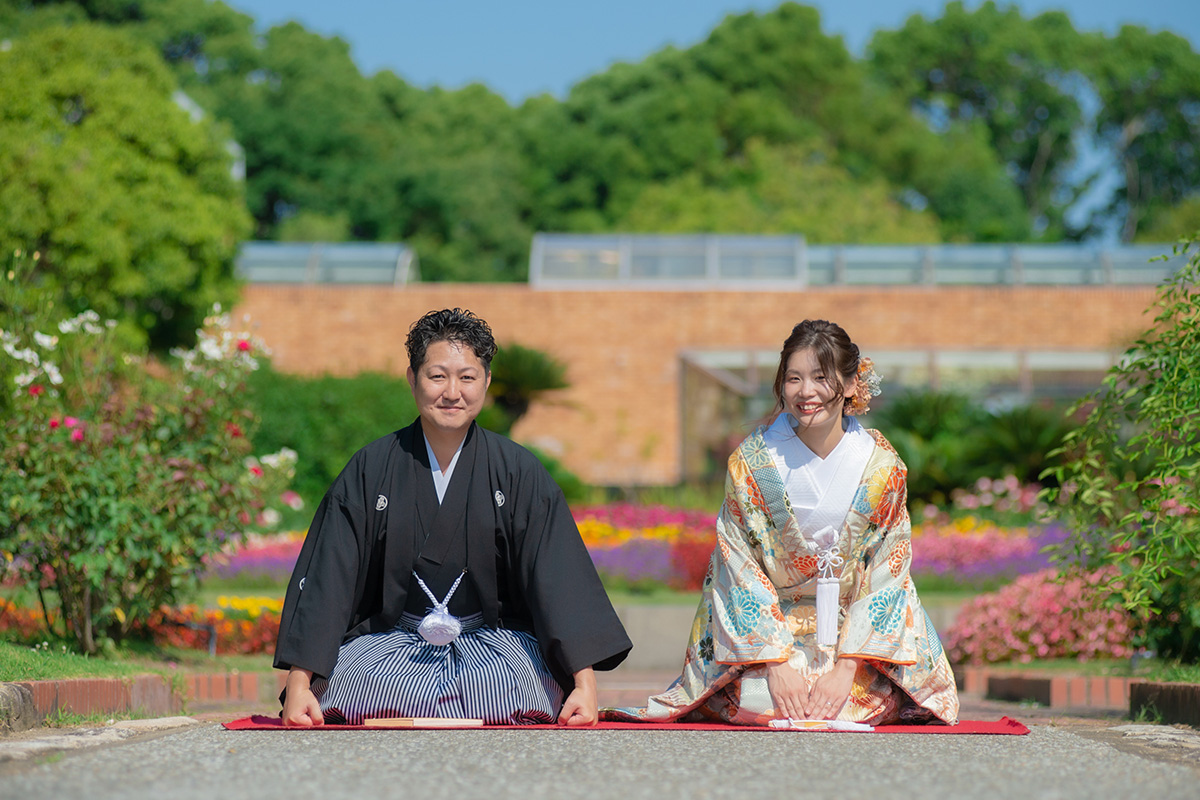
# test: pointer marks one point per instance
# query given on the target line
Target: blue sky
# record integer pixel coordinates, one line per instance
(521, 48)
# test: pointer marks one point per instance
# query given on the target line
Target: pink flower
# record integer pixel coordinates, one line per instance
(256, 471)
(233, 429)
(36, 389)
(243, 345)
(70, 422)
(54, 423)
(77, 435)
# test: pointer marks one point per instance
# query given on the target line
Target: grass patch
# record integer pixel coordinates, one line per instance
(23, 663)
(65, 719)
(653, 597)
(1150, 669)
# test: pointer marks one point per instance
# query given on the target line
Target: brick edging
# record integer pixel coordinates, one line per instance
(1052, 691)
(146, 694)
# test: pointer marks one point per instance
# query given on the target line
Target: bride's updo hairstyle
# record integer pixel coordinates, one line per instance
(837, 355)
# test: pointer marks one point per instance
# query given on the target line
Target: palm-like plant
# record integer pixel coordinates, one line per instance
(520, 375)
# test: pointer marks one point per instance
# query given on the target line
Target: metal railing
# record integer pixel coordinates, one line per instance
(629, 261)
(388, 263)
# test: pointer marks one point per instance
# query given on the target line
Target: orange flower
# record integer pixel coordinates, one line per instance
(896, 558)
(891, 499)
(806, 565)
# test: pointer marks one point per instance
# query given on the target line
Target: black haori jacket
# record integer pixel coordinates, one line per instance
(525, 560)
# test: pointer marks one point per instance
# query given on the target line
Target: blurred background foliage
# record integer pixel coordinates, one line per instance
(975, 126)
(949, 441)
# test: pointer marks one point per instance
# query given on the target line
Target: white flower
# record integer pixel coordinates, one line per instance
(286, 457)
(52, 373)
(210, 349)
(270, 517)
(27, 355)
(92, 328)
(110, 323)
(45, 340)
(25, 378)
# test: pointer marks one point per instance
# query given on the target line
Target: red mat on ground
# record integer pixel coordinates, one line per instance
(1004, 725)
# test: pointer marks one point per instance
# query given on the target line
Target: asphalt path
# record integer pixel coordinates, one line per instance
(206, 761)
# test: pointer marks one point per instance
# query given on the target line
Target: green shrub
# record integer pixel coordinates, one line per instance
(327, 419)
(119, 475)
(949, 442)
(1129, 481)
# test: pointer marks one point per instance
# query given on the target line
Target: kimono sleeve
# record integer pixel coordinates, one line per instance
(884, 620)
(573, 619)
(747, 624)
(320, 600)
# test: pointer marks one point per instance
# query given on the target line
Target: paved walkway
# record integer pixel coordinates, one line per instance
(1078, 754)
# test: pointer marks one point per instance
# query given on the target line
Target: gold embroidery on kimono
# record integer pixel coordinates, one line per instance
(758, 605)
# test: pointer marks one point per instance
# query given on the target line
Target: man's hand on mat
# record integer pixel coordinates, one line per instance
(831, 690)
(581, 707)
(300, 706)
(788, 690)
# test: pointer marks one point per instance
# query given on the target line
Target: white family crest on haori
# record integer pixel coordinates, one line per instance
(302, 580)
(381, 503)
(439, 626)
(499, 498)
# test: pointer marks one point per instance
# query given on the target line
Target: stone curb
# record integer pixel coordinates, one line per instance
(17, 712)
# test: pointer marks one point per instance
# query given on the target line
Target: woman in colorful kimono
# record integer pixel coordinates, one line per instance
(808, 609)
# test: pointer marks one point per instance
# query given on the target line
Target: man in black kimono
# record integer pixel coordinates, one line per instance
(445, 509)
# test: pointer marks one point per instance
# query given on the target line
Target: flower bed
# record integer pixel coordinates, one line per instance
(1038, 616)
(632, 547)
(243, 625)
(975, 553)
(259, 556)
(641, 547)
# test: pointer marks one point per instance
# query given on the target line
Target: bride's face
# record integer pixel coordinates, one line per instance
(811, 395)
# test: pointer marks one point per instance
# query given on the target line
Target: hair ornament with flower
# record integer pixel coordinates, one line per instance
(868, 387)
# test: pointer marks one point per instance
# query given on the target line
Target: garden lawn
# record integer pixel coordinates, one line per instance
(1150, 669)
(23, 663)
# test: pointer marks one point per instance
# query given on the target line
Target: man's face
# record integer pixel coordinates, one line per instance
(449, 388)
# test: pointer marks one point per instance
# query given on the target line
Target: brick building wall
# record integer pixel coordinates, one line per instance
(619, 422)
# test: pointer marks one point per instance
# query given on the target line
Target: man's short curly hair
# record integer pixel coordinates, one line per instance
(455, 325)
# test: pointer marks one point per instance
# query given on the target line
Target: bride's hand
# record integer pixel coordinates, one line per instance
(789, 692)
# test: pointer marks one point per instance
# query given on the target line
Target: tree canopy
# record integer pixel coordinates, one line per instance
(978, 125)
(127, 196)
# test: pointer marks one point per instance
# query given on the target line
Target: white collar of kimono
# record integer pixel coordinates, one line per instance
(820, 489)
(441, 477)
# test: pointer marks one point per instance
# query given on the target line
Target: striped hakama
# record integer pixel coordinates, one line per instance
(497, 675)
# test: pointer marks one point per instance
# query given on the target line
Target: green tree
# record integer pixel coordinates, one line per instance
(1131, 471)
(1149, 89)
(773, 79)
(128, 198)
(312, 129)
(782, 189)
(1171, 223)
(451, 184)
(1012, 75)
